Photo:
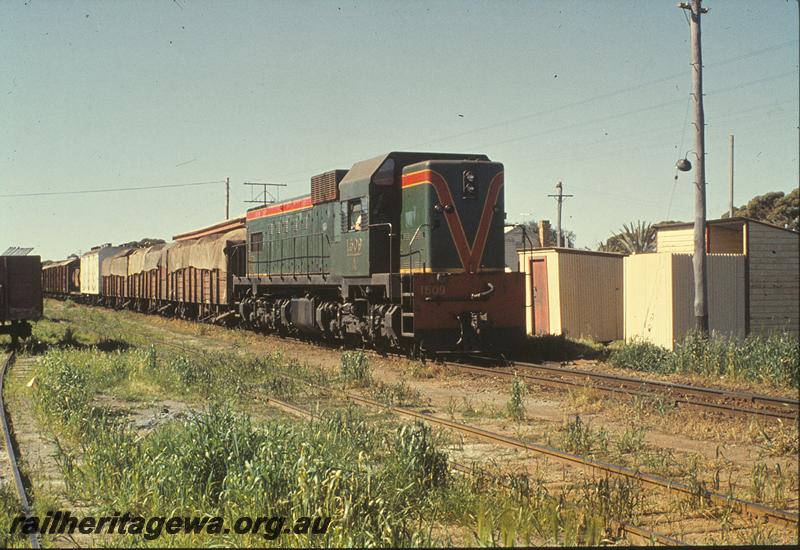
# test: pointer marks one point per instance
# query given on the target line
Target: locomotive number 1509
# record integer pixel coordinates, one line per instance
(432, 290)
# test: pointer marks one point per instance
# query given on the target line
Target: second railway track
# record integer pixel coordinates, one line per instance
(730, 403)
(775, 516)
(725, 402)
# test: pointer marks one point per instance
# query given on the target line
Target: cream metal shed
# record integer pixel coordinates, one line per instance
(573, 292)
(659, 296)
(771, 267)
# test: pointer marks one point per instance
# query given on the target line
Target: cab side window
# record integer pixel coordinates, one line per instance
(354, 213)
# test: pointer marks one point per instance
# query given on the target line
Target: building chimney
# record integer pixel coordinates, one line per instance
(544, 233)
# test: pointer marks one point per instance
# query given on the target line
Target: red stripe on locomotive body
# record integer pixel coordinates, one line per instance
(470, 256)
(283, 208)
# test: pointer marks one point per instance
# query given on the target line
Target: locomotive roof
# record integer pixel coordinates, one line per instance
(364, 170)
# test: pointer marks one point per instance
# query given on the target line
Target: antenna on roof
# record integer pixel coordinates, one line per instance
(265, 193)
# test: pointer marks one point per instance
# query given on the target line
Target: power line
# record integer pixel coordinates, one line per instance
(601, 96)
(111, 189)
(584, 101)
(633, 112)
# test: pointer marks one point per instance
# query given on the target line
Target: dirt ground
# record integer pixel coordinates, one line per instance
(712, 442)
(481, 400)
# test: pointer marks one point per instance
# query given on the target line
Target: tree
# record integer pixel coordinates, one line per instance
(775, 207)
(633, 238)
(144, 243)
(532, 230)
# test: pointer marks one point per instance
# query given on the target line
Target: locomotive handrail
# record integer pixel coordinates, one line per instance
(414, 237)
(410, 253)
(484, 294)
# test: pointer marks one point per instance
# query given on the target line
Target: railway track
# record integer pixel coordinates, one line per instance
(782, 518)
(635, 534)
(12, 457)
(729, 403)
(561, 377)
(724, 402)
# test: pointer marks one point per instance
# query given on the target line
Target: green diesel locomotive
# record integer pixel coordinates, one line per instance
(402, 251)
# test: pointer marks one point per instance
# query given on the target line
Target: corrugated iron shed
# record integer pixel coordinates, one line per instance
(771, 266)
(573, 292)
(16, 251)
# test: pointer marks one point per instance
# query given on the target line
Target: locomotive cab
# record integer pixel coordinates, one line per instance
(452, 217)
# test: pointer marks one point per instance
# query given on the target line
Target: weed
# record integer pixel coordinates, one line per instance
(631, 441)
(758, 480)
(640, 355)
(516, 405)
(452, 407)
(355, 368)
(281, 387)
(396, 394)
(9, 509)
(468, 409)
(772, 359)
(577, 437)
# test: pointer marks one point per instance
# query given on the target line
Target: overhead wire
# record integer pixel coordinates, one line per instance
(572, 104)
(605, 95)
(634, 111)
(110, 189)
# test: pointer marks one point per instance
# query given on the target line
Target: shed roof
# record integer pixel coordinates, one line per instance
(722, 221)
(16, 251)
(563, 250)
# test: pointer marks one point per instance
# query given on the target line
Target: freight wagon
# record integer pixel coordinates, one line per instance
(401, 251)
(62, 278)
(20, 294)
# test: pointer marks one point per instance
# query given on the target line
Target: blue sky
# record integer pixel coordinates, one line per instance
(123, 94)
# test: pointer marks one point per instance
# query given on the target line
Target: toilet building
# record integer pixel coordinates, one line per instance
(770, 257)
(576, 293)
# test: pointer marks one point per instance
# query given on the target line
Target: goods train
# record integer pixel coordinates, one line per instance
(20, 294)
(402, 251)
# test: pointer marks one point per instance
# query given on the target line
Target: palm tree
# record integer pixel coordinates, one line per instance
(633, 238)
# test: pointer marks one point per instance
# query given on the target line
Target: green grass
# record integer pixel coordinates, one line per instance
(382, 484)
(9, 509)
(773, 360)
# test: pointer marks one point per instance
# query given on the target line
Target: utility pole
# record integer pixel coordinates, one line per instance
(730, 201)
(227, 198)
(699, 258)
(559, 196)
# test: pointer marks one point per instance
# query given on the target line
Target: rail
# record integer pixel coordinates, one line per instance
(12, 456)
(636, 534)
(699, 397)
(741, 506)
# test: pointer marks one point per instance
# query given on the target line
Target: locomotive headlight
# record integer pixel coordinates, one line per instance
(469, 185)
